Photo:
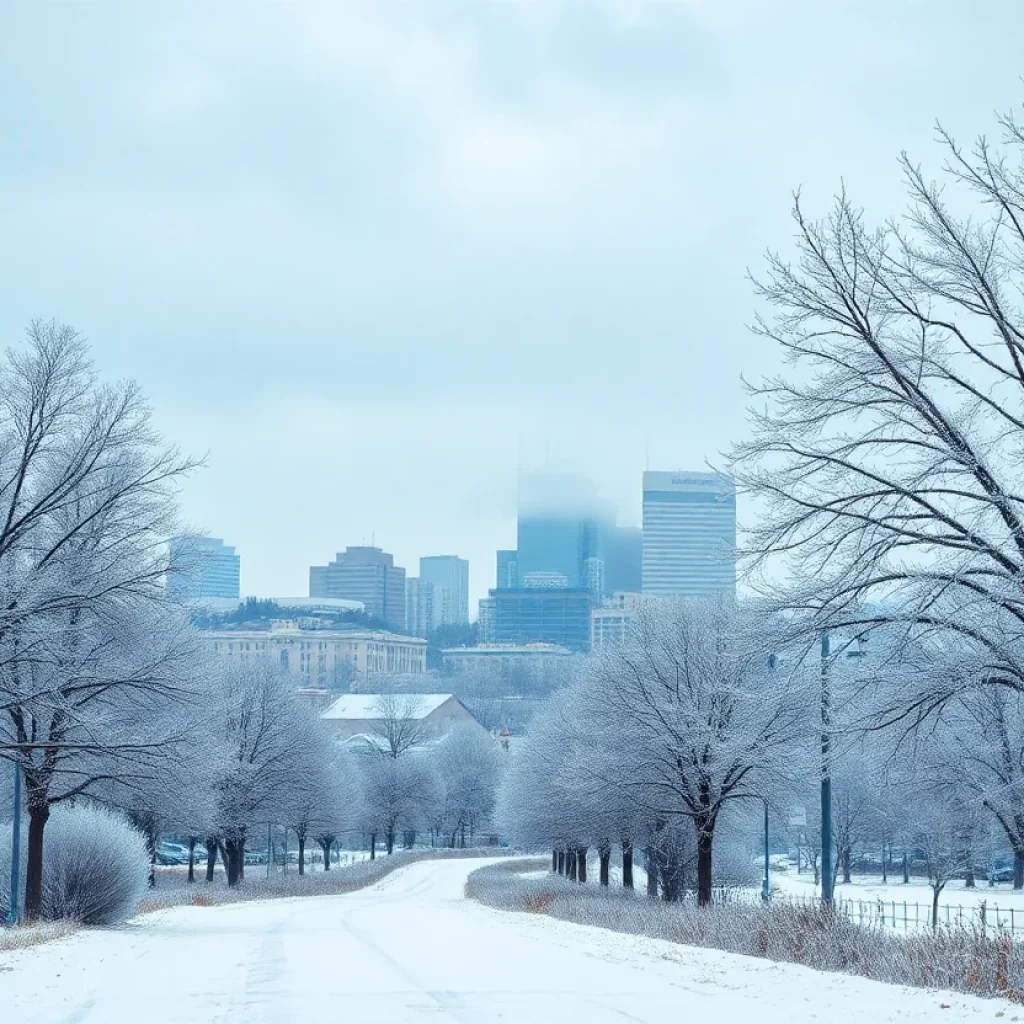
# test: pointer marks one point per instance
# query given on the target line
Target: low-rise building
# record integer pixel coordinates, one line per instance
(500, 657)
(325, 658)
(374, 719)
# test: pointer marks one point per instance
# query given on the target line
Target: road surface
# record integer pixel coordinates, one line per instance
(412, 948)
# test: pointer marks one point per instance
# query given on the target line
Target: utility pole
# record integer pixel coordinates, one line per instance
(12, 906)
(765, 885)
(827, 881)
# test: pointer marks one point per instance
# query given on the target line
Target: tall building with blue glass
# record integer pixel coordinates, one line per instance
(203, 567)
(689, 534)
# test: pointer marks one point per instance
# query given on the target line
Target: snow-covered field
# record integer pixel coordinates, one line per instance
(412, 948)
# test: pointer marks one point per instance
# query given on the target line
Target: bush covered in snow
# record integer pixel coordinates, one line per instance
(95, 866)
(957, 958)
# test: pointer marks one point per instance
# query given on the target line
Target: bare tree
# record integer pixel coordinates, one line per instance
(86, 505)
(399, 725)
(888, 464)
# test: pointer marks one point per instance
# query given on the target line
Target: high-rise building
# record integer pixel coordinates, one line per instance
(364, 574)
(424, 604)
(562, 526)
(689, 534)
(202, 567)
(623, 560)
(508, 570)
(542, 615)
(451, 574)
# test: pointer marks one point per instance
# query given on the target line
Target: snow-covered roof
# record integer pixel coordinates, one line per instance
(367, 707)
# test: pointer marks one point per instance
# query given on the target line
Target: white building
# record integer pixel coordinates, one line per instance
(500, 657)
(689, 534)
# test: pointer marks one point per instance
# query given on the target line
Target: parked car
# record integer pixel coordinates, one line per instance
(171, 853)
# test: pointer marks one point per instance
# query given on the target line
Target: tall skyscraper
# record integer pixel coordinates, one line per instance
(202, 567)
(364, 574)
(508, 570)
(561, 528)
(451, 574)
(689, 534)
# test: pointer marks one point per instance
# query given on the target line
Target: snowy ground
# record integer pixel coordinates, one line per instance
(412, 948)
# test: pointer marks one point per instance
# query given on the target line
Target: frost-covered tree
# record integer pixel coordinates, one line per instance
(260, 727)
(887, 463)
(91, 660)
(467, 764)
(694, 711)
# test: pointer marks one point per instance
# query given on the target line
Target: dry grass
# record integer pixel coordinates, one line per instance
(958, 958)
(22, 936)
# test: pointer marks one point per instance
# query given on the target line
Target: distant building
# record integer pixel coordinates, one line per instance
(485, 619)
(623, 560)
(561, 526)
(423, 605)
(451, 574)
(508, 570)
(545, 615)
(544, 581)
(324, 658)
(501, 658)
(609, 623)
(367, 717)
(365, 574)
(202, 567)
(689, 534)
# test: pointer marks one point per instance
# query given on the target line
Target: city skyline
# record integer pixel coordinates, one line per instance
(512, 263)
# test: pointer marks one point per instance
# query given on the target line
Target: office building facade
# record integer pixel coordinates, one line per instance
(507, 576)
(542, 615)
(365, 574)
(203, 567)
(689, 534)
(451, 574)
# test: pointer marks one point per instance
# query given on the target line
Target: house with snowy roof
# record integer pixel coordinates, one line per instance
(395, 720)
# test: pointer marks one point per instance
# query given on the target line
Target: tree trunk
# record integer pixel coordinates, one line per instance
(389, 841)
(581, 865)
(936, 889)
(705, 839)
(325, 845)
(906, 869)
(561, 861)
(627, 864)
(373, 845)
(211, 858)
(37, 817)
(651, 866)
(1018, 869)
(571, 855)
(234, 858)
(191, 859)
(302, 854)
(604, 856)
(885, 866)
(846, 865)
(969, 880)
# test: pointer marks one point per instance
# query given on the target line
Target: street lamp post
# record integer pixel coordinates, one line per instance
(765, 886)
(827, 881)
(12, 907)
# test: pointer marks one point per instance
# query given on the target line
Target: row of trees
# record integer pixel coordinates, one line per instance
(885, 476)
(106, 690)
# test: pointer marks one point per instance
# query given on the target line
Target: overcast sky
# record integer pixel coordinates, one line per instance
(372, 257)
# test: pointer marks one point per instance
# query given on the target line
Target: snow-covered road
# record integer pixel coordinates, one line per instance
(412, 948)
